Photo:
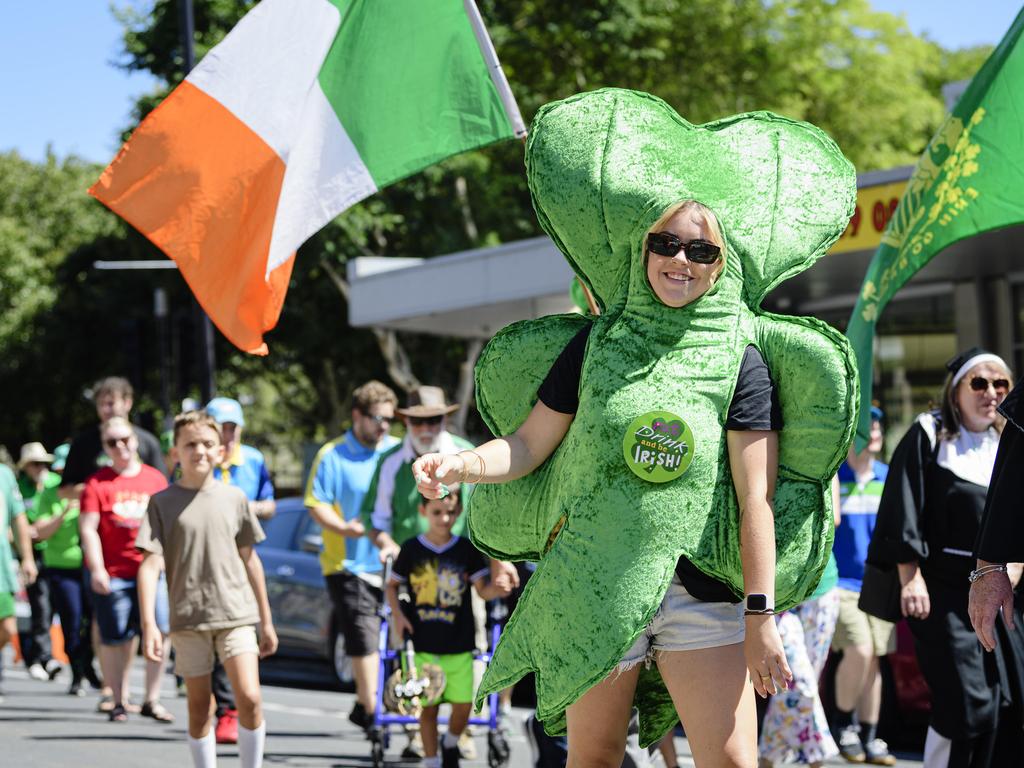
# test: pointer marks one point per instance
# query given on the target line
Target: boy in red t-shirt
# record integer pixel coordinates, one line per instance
(113, 505)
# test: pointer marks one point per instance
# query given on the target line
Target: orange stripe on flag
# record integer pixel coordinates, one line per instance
(204, 188)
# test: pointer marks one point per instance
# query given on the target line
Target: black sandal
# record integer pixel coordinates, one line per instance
(118, 714)
(157, 711)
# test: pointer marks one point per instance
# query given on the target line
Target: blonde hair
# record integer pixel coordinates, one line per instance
(117, 421)
(710, 220)
(198, 418)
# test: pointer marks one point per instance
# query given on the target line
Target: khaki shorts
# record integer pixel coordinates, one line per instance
(855, 627)
(193, 648)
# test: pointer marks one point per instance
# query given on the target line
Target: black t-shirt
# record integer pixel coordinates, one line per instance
(86, 455)
(754, 406)
(439, 580)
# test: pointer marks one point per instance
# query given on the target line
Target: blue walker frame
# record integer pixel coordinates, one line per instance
(379, 733)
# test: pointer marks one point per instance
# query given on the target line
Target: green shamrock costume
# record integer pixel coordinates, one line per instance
(642, 476)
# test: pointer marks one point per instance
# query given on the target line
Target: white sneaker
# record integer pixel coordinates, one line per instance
(53, 669)
(36, 672)
(466, 746)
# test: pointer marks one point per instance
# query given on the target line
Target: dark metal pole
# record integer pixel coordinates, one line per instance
(207, 363)
(160, 312)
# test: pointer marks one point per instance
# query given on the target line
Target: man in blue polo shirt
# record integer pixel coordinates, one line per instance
(338, 481)
(244, 466)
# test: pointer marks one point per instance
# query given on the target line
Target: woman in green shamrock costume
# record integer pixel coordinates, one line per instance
(668, 462)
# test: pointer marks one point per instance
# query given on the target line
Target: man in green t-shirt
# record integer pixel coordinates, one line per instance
(34, 476)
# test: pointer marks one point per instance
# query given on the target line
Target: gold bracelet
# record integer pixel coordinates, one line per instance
(483, 467)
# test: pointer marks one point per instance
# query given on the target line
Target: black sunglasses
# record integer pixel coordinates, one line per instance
(418, 421)
(980, 384)
(113, 442)
(382, 420)
(697, 251)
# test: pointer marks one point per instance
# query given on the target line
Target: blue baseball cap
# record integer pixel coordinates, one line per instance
(877, 414)
(225, 409)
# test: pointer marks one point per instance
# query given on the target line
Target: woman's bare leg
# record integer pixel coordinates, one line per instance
(598, 720)
(715, 701)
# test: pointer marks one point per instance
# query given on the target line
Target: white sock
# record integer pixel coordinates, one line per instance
(432, 762)
(250, 745)
(450, 740)
(204, 751)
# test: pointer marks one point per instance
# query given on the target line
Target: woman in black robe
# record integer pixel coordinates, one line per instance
(928, 520)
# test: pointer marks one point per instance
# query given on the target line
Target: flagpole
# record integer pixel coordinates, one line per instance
(204, 328)
(494, 67)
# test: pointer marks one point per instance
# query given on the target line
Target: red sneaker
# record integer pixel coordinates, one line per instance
(226, 731)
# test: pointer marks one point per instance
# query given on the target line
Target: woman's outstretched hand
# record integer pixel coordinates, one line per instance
(434, 472)
(766, 658)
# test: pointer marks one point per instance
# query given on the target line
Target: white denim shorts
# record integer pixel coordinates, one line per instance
(684, 623)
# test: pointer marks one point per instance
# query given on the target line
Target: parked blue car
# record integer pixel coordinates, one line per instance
(298, 595)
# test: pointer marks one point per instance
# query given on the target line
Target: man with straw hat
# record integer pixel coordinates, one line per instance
(392, 503)
(34, 476)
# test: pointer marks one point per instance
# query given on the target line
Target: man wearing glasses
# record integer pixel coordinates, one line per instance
(338, 481)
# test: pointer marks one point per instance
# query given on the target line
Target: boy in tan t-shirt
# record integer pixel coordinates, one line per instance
(202, 532)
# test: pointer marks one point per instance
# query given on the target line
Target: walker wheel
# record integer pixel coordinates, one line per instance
(377, 754)
(498, 752)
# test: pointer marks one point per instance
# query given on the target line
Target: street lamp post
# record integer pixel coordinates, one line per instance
(204, 328)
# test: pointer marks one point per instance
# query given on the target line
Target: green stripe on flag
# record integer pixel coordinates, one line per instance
(968, 181)
(410, 87)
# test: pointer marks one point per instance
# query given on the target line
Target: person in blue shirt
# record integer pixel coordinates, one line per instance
(244, 467)
(863, 639)
(338, 481)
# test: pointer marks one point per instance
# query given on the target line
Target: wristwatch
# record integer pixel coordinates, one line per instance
(757, 603)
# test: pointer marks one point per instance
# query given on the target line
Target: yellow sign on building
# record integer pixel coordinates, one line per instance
(875, 206)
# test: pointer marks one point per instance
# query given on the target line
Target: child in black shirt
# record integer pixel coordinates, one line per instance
(438, 568)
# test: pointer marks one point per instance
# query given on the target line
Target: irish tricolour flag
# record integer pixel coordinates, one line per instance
(305, 108)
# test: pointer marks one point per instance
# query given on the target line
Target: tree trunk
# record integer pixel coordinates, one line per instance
(331, 392)
(399, 367)
(466, 388)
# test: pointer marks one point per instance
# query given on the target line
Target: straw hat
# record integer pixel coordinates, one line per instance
(33, 452)
(425, 402)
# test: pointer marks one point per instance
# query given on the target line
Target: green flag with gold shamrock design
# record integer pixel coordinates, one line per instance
(969, 180)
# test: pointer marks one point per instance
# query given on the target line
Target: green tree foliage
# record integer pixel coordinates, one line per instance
(47, 225)
(860, 74)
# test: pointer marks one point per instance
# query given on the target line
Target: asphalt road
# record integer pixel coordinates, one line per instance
(42, 727)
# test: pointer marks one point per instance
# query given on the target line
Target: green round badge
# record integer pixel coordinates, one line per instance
(658, 446)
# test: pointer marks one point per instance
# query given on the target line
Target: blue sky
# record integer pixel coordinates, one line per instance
(61, 86)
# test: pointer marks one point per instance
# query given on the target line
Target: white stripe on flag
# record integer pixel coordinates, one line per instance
(265, 67)
(324, 176)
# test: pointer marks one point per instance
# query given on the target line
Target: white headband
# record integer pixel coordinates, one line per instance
(984, 357)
